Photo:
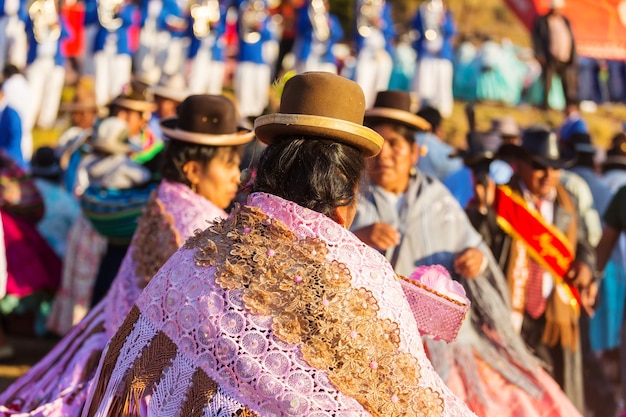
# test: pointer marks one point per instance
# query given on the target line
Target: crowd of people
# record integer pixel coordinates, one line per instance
(199, 254)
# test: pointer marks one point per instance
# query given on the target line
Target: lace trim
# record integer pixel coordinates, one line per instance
(313, 304)
(156, 229)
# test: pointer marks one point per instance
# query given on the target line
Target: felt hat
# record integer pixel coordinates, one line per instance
(505, 126)
(616, 154)
(541, 145)
(480, 148)
(45, 163)
(581, 142)
(112, 137)
(135, 96)
(395, 107)
(324, 105)
(174, 89)
(206, 120)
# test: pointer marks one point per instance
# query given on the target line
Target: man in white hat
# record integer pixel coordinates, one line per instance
(555, 49)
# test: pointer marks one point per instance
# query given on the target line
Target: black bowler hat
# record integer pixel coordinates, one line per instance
(480, 148)
(206, 120)
(541, 145)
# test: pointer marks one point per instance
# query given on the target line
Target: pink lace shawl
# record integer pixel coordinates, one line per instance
(212, 330)
(189, 211)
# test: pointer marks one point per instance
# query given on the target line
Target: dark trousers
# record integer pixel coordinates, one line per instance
(563, 364)
(109, 266)
(569, 80)
(599, 395)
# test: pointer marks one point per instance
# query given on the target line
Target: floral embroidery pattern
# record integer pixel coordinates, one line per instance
(155, 229)
(312, 304)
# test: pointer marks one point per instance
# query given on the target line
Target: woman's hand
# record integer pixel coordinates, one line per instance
(379, 236)
(469, 263)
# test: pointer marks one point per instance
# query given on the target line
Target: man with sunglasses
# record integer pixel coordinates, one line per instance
(545, 255)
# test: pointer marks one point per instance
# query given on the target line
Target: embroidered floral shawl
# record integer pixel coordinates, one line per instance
(276, 311)
(171, 216)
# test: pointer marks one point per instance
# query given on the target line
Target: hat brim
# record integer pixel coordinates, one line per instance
(614, 160)
(113, 150)
(169, 129)
(585, 148)
(268, 127)
(567, 159)
(135, 105)
(397, 116)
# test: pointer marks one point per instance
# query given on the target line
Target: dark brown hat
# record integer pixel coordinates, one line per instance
(616, 154)
(135, 96)
(324, 105)
(541, 144)
(206, 120)
(395, 107)
(481, 147)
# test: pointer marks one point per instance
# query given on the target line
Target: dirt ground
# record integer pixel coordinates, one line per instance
(28, 351)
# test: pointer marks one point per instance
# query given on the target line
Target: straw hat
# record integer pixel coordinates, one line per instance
(324, 105)
(206, 120)
(395, 106)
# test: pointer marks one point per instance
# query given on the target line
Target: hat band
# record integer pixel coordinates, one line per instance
(233, 139)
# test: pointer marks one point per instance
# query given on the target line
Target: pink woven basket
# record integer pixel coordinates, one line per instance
(437, 315)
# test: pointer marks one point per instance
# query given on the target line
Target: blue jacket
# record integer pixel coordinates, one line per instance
(218, 48)
(171, 9)
(33, 46)
(11, 135)
(387, 27)
(130, 15)
(448, 30)
(91, 12)
(253, 52)
(305, 36)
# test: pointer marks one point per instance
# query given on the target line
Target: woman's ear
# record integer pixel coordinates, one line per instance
(415, 153)
(192, 171)
(340, 215)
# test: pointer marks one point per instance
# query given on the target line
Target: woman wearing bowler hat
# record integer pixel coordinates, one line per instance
(279, 310)
(414, 220)
(200, 178)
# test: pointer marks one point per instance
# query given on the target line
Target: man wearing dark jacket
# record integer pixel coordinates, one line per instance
(555, 49)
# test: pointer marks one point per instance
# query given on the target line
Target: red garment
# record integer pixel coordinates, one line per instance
(32, 265)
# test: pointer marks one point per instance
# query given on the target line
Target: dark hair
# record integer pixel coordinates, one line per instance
(9, 70)
(178, 153)
(316, 173)
(431, 115)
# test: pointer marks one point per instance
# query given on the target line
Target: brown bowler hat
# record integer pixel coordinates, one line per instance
(394, 106)
(324, 105)
(135, 96)
(206, 120)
